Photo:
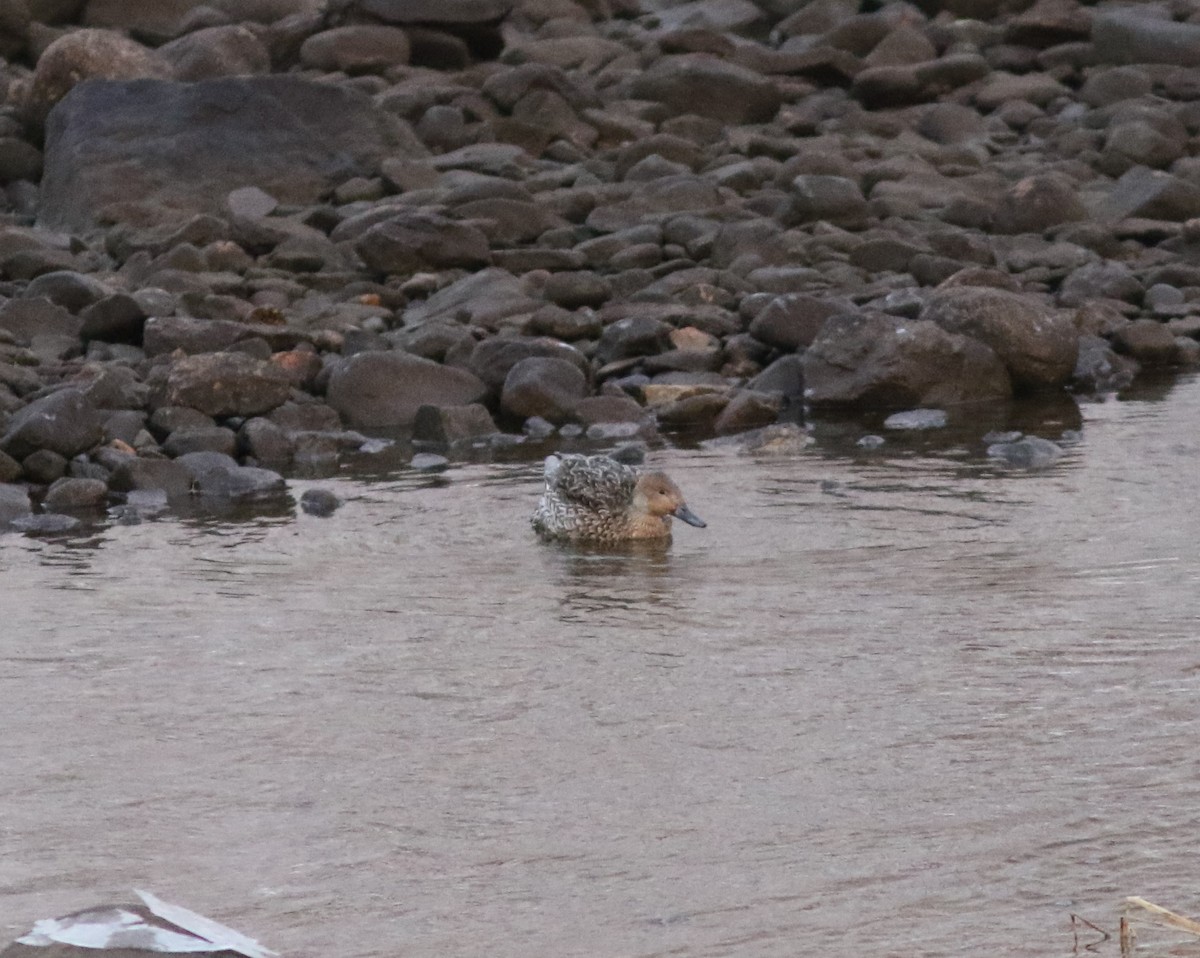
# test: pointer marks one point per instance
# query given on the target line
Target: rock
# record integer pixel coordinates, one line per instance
(1104, 280)
(67, 288)
(916, 419)
(834, 199)
(226, 384)
(1150, 194)
(231, 50)
(44, 466)
(712, 88)
(240, 484)
(167, 475)
(492, 359)
(1032, 452)
(545, 387)
(785, 376)
(778, 439)
(10, 469)
(1036, 344)
(414, 240)
(484, 298)
(1148, 341)
(429, 462)
(792, 321)
(264, 440)
(320, 502)
(68, 493)
(596, 410)
(633, 336)
(572, 290)
(1099, 369)
(358, 48)
(29, 317)
(291, 137)
(1132, 35)
(446, 425)
(116, 318)
(1036, 203)
(63, 422)
(206, 439)
(46, 524)
(84, 55)
(882, 361)
(747, 410)
(455, 13)
(14, 504)
(385, 390)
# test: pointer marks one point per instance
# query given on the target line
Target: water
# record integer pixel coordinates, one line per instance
(905, 702)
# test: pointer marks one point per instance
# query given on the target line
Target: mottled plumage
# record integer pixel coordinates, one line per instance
(597, 499)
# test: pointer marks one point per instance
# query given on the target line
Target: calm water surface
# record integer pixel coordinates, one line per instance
(906, 703)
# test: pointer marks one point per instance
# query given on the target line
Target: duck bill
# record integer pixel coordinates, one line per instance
(686, 515)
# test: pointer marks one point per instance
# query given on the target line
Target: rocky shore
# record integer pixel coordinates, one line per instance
(239, 238)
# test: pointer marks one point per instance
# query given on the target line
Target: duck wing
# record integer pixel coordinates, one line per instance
(594, 482)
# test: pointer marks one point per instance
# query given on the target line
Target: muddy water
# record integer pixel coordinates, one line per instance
(905, 703)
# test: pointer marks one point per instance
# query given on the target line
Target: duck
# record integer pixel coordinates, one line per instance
(597, 499)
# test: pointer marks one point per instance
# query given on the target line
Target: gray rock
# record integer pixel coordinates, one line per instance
(492, 359)
(785, 376)
(226, 384)
(220, 51)
(264, 440)
(1036, 203)
(572, 290)
(1152, 194)
(14, 504)
(484, 298)
(27, 318)
(44, 466)
(1037, 345)
(1129, 34)
(357, 48)
(385, 390)
(792, 321)
(117, 318)
(206, 439)
(68, 493)
(1148, 341)
(882, 361)
(710, 88)
(1032, 452)
(320, 502)
(413, 240)
(135, 473)
(1103, 280)
(46, 524)
(916, 419)
(633, 336)
(1101, 370)
(545, 387)
(63, 422)
(292, 137)
(446, 425)
(458, 13)
(429, 462)
(747, 410)
(240, 484)
(834, 199)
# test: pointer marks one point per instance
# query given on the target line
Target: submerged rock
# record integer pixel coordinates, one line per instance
(1032, 452)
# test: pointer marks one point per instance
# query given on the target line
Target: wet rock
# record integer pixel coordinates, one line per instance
(320, 502)
(1032, 452)
(493, 359)
(446, 425)
(785, 376)
(385, 390)
(207, 439)
(69, 494)
(289, 136)
(264, 440)
(1099, 369)
(778, 439)
(167, 475)
(545, 387)
(46, 524)
(14, 504)
(239, 483)
(44, 466)
(747, 410)
(881, 361)
(916, 419)
(63, 422)
(710, 88)
(226, 384)
(1037, 345)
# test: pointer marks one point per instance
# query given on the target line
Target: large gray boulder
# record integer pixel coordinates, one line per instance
(1038, 345)
(195, 142)
(384, 390)
(885, 361)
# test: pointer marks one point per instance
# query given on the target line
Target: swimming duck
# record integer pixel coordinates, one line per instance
(597, 499)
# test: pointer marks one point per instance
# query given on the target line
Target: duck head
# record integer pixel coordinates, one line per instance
(657, 495)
